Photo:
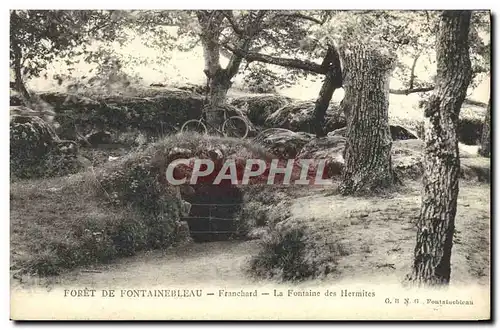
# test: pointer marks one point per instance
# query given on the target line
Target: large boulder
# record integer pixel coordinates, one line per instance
(407, 158)
(478, 168)
(259, 107)
(326, 148)
(193, 88)
(299, 117)
(469, 130)
(406, 155)
(470, 122)
(283, 143)
(37, 152)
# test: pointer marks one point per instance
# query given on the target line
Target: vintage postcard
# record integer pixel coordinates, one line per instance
(250, 164)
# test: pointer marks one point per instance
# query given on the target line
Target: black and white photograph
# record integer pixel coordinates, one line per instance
(222, 164)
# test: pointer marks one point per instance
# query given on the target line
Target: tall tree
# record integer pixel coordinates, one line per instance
(485, 147)
(245, 30)
(366, 70)
(404, 32)
(241, 33)
(37, 37)
(436, 223)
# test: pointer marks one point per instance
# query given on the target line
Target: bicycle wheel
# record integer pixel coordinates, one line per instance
(194, 125)
(235, 126)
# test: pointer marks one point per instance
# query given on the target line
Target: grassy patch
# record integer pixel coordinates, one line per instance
(290, 253)
(263, 206)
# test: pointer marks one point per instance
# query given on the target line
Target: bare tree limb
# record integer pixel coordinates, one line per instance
(285, 62)
(428, 89)
(477, 103)
(410, 91)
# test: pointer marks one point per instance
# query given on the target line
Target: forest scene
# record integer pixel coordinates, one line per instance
(397, 104)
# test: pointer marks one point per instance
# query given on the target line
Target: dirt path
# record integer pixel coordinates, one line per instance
(377, 234)
(213, 263)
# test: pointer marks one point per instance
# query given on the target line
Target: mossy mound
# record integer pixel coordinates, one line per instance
(156, 115)
(93, 217)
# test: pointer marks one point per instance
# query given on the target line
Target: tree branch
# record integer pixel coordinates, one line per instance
(228, 14)
(284, 62)
(250, 31)
(302, 16)
(430, 88)
(412, 74)
(477, 103)
(410, 91)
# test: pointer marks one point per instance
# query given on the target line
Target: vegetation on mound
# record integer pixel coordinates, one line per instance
(263, 206)
(91, 217)
(114, 210)
(155, 115)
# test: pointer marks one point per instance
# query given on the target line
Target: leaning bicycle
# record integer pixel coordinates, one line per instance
(233, 126)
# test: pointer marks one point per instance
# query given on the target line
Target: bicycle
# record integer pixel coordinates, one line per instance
(233, 126)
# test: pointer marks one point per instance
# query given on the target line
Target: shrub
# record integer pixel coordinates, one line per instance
(292, 253)
(282, 255)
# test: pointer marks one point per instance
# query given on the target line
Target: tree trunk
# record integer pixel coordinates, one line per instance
(366, 72)
(211, 27)
(333, 80)
(436, 223)
(485, 148)
(19, 83)
(218, 86)
(219, 79)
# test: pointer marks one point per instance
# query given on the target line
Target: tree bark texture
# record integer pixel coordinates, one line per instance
(436, 223)
(20, 87)
(218, 84)
(485, 148)
(366, 72)
(332, 81)
(17, 59)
